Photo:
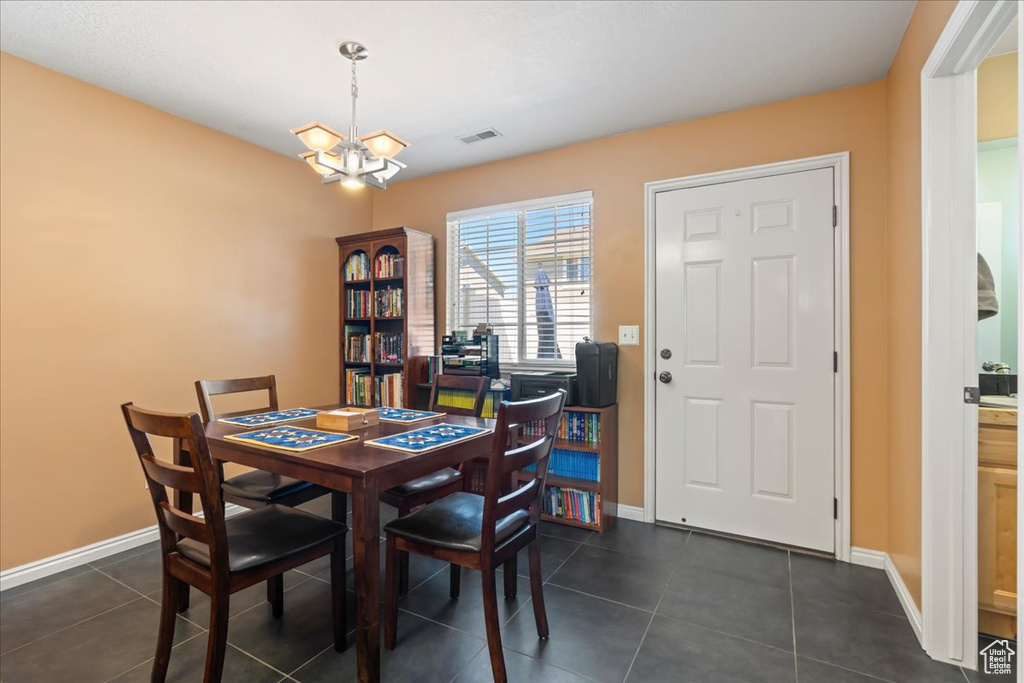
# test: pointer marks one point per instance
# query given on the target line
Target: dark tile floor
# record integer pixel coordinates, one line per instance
(637, 603)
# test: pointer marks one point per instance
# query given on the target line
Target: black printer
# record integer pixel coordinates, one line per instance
(536, 384)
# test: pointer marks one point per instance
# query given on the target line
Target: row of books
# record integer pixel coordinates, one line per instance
(582, 506)
(389, 265)
(574, 427)
(389, 390)
(357, 344)
(357, 267)
(464, 399)
(357, 303)
(433, 367)
(390, 302)
(388, 346)
(358, 387)
(573, 464)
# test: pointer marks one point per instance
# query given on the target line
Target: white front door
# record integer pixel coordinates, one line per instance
(745, 327)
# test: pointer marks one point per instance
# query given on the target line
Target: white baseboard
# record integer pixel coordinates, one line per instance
(40, 569)
(868, 558)
(630, 512)
(881, 560)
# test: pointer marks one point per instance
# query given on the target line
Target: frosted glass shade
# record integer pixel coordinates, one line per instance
(318, 136)
(384, 144)
(310, 158)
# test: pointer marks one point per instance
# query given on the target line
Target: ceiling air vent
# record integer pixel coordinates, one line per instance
(482, 135)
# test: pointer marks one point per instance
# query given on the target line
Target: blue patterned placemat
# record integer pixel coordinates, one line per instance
(406, 416)
(292, 438)
(427, 438)
(278, 416)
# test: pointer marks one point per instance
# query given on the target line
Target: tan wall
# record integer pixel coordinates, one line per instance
(138, 253)
(616, 169)
(997, 98)
(903, 256)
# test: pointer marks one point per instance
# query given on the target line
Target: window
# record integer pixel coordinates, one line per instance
(525, 269)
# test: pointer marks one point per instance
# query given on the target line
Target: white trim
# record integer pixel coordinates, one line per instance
(949, 439)
(840, 163)
(865, 557)
(40, 569)
(907, 600)
(539, 202)
(877, 559)
(630, 512)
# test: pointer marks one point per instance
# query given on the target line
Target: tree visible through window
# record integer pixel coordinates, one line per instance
(525, 270)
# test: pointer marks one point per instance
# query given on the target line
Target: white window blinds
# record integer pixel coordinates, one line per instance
(526, 270)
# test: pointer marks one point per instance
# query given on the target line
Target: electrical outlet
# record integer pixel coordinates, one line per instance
(629, 335)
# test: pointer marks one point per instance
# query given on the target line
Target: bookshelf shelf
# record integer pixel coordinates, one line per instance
(569, 445)
(385, 271)
(566, 482)
(571, 522)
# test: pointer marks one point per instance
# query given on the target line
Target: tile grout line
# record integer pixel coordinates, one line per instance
(792, 614)
(326, 649)
(249, 654)
(562, 564)
(189, 639)
(846, 668)
(77, 623)
(653, 614)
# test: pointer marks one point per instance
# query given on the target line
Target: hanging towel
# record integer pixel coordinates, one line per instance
(987, 304)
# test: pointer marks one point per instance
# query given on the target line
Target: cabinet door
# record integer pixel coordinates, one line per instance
(997, 550)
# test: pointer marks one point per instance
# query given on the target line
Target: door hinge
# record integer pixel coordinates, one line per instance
(972, 395)
(835, 215)
(835, 508)
(835, 361)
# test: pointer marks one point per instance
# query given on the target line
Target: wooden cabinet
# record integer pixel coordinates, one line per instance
(386, 281)
(997, 522)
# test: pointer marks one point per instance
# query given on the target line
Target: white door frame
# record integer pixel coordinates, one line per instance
(949, 428)
(840, 163)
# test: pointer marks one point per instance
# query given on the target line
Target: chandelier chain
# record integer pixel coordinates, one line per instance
(355, 96)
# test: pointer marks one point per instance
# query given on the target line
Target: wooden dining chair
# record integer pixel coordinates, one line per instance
(410, 495)
(258, 487)
(219, 556)
(485, 532)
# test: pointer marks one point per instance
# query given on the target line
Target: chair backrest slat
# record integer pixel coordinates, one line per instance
(185, 524)
(460, 383)
(207, 388)
(202, 478)
(524, 456)
(520, 499)
(172, 476)
(513, 450)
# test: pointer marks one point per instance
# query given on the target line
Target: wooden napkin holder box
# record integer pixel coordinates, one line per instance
(347, 419)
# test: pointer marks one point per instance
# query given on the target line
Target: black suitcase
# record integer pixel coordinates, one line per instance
(597, 372)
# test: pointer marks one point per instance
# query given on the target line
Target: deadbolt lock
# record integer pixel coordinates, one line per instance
(666, 353)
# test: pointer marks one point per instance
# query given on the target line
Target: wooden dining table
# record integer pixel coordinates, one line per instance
(363, 471)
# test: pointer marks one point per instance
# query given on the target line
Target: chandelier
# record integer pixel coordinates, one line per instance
(353, 161)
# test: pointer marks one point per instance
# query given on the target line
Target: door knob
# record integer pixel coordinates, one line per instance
(665, 377)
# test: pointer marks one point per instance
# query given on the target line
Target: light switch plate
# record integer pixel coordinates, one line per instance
(629, 335)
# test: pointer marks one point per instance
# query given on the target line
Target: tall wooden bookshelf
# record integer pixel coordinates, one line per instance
(387, 315)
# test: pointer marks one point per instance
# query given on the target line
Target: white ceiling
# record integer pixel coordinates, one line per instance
(544, 74)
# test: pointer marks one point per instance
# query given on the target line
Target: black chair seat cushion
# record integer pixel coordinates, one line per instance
(428, 483)
(455, 522)
(264, 535)
(262, 486)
